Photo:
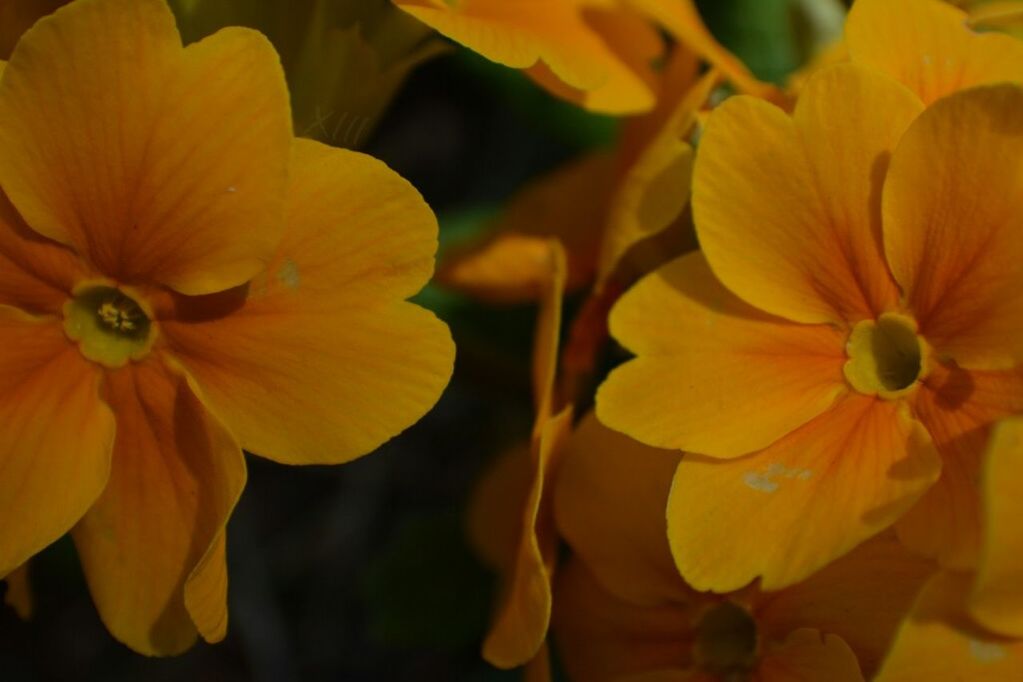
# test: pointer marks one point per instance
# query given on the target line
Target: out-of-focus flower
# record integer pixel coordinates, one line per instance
(827, 366)
(599, 206)
(969, 627)
(995, 15)
(622, 611)
(510, 520)
(599, 54)
(182, 278)
(344, 59)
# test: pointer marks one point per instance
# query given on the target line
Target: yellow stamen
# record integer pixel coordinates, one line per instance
(110, 326)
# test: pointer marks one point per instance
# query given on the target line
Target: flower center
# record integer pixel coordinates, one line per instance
(110, 326)
(726, 641)
(886, 356)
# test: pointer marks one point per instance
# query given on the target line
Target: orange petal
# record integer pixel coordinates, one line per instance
(19, 592)
(928, 45)
(609, 506)
(511, 265)
(681, 19)
(655, 189)
(707, 361)
(790, 509)
(36, 274)
(548, 334)
(602, 637)
(953, 206)
(57, 436)
(320, 360)
(152, 543)
(997, 600)
(957, 407)
(808, 655)
(554, 35)
(811, 186)
(494, 513)
(938, 644)
(154, 162)
(861, 597)
(524, 607)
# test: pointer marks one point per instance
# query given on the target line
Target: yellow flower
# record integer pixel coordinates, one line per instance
(510, 522)
(969, 627)
(596, 53)
(849, 332)
(621, 611)
(182, 279)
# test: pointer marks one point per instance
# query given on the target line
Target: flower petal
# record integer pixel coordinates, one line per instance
(152, 542)
(953, 207)
(609, 504)
(511, 264)
(929, 46)
(320, 360)
(36, 274)
(603, 637)
(861, 597)
(57, 436)
(707, 361)
(997, 601)
(957, 407)
(790, 509)
(808, 654)
(553, 35)
(524, 607)
(152, 161)
(788, 210)
(938, 644)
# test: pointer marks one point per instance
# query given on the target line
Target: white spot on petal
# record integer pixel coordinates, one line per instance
(232, 189)
(288, 274)
(758, 481)
(986, 652)
(768, 480)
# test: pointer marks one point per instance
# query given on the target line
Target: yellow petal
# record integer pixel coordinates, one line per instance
(556, 36)
(609, 504)
(790, 509)
(788, 210)
(524, 606)
(511, 265)
(156, 163)
(682, 20)
(602, 637)
(19, 592)
(548, 334)
(494, 511)
(151, 545)
(998, 14)
(807, 655)
(57, 436)
(936, 643)
(929, 46)
(953, 206)
(655, 189)
(957, 407)
(707, 362)
(320, 360)
(997, 600)
(861, 597)
(36, 274)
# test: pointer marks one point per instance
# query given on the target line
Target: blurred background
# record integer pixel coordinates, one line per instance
(362, 572)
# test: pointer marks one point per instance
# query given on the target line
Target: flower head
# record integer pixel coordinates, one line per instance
(182, 279)
(847, 335)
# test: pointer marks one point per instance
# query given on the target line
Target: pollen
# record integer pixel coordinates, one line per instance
(110, 326)
(886, 356)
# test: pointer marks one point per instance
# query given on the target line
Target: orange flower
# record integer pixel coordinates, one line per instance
(831, 352)
(969, 627)
(622, 611)
(596, 53)
(182, 279)
(510, 522)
